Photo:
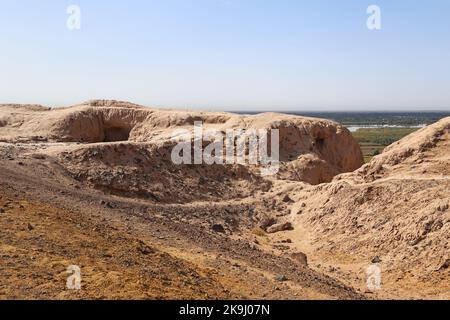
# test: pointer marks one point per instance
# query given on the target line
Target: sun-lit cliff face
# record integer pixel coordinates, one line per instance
(311, 150)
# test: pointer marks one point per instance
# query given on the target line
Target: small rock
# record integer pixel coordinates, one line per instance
(2, 210)
(144, 248)
(106, 204)
(267, 222)
(287, 199)
(376, 259)
(281, 247)
(38, 156)
(30, 227)
(281, 278)
(300, 257)
(218, 228)
(280, 227)
(445, 265)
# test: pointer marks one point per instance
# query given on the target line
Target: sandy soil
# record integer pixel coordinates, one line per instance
(130, 251)
(92, 185)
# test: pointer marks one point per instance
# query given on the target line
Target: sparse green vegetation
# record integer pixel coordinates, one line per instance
(382, 136)
(374, 140)
(403, 119)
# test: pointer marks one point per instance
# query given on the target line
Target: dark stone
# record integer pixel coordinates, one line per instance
(218, 228)
(281, 278)
(445, 265)
(280, 227)
(376, 259)
(144, 248)
(300, 257)
(267, 222)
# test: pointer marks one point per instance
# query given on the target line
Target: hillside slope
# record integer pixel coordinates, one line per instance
(93, 185)
(396, 208)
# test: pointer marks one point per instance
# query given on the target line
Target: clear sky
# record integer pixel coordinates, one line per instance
(228, 54)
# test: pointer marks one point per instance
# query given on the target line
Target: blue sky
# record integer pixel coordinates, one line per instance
(228, 54)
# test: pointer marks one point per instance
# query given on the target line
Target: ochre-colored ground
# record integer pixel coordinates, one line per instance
(39, 241)
(124, 256)
(141, 227)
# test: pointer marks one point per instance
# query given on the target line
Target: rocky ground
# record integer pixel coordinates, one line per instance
(129, 249)
(93, 185)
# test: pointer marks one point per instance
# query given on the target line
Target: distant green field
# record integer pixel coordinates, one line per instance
(374, 140)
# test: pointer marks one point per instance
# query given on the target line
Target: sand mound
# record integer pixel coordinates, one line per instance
(394, 211)
(146, 171)
(420, 154)
(396, 207)
(311, 150)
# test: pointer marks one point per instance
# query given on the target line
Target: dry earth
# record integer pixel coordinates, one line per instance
(93, 185)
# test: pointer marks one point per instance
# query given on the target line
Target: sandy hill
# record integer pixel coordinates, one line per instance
(93, 185)
(312, 150)
(396, 208)
(108, 163)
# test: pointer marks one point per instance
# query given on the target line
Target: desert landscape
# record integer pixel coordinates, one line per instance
(93, 185)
